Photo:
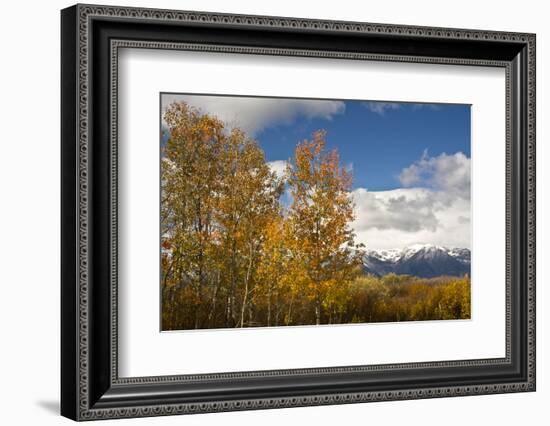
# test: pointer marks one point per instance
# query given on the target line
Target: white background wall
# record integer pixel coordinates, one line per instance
(29, 211)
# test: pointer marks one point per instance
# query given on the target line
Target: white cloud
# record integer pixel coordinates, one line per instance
(402, 217)
(255, 114)
(380, 107)
(279, 167)
(437, 213)
(447, 173)
(406, 210)
(433, 107)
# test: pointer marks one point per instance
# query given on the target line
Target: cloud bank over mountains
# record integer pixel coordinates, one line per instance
(433, 207)
(435, 210)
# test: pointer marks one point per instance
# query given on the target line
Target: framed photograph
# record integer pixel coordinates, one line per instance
(263, 212)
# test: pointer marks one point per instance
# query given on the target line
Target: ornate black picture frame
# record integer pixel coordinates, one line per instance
(90, 385)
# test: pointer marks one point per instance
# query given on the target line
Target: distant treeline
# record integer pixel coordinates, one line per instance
(368, 299)
(405, 298)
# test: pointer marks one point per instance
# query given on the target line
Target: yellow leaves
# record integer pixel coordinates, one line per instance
(405, 298)
(319, 217)
(217, 195)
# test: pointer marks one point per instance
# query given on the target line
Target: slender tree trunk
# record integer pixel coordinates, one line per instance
(317, 272)
(198, 304)
(269, 306)
(212, 312)
(231, 320)
(277, 309)
(177, 313)
(227, 310)
(173, 309)
(198, 292)
(289, 316)
(317, 312)
(246, 284)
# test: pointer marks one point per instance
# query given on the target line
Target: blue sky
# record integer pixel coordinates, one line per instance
(410, 161)
(378, 142)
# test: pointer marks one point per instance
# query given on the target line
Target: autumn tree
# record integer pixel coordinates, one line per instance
(319, 217)
(247, 201)
(218, 193)
(190, 181)
(272, 270)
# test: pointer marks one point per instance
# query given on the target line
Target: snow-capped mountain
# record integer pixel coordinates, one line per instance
(421, 260)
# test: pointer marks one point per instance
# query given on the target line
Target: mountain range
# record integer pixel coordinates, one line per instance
(421, 260)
